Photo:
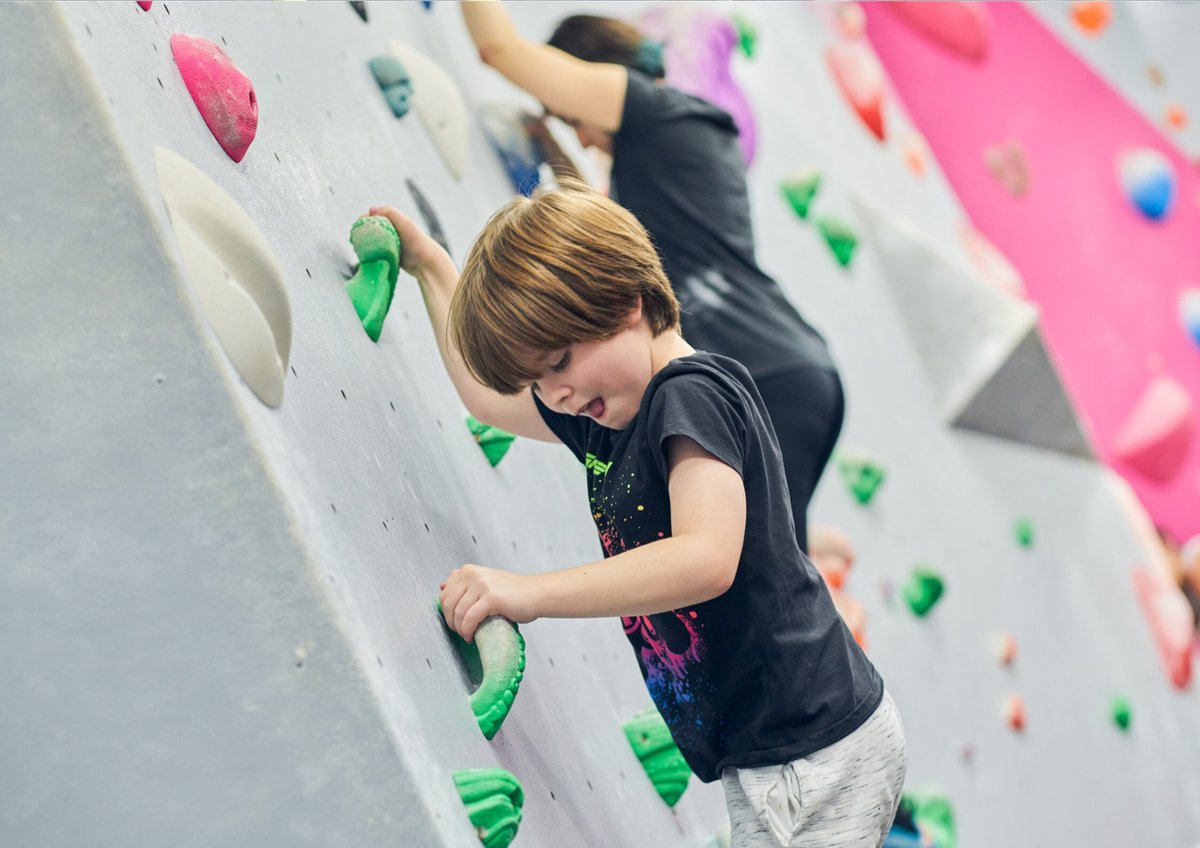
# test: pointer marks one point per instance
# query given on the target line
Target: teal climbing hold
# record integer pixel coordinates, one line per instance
(493, 798)
(492, 440)
(659, 755)
(495, 664)
(395, 82)
(371, 288)
(801, 189)
(923, 590)
(840, 237)
(747, 35)
(862, 474)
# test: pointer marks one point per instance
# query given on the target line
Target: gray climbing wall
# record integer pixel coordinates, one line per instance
(217, 616)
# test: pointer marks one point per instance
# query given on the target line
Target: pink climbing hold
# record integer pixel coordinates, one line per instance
(860, 78)
(223, 94)
(962, 28)
(1170, 618)
(1156, 435)
(145, 4)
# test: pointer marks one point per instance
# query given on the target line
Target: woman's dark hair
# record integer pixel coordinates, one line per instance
(599, 39)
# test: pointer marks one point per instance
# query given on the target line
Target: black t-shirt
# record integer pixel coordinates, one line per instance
(767, 672)
(678, 167)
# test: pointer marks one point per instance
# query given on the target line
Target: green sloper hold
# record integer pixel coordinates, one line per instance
(933, 814)
(1122, 712)
(1024, 532)
(923, 589)
(664, 765)
(862, 474)
(378, 247)
(840, 237)
(801, 189)
(495, 662)
(493, 799)
(494, 441)
(747, 35)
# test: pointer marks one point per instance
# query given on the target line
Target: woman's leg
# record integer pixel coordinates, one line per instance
(806, 406)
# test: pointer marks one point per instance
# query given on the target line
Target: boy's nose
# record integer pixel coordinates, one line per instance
(558, 395)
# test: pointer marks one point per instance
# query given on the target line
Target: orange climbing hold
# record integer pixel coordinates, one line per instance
(1092, 17)
(1176, 116)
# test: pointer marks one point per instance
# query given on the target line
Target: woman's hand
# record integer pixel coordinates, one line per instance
(473, 593)
(417, 250)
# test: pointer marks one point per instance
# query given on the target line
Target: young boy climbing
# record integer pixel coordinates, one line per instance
(563, 328)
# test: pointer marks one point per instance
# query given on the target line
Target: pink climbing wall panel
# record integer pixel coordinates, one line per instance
(1108, 280)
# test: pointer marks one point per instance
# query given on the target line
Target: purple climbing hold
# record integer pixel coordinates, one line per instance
(223, 94)
(699, 49)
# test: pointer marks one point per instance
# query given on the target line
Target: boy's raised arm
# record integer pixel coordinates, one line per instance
(434, 270)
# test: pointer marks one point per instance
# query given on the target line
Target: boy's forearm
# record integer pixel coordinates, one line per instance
(668, 574)
(438, 281)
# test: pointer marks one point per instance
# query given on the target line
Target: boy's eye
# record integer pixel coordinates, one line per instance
(562, 363)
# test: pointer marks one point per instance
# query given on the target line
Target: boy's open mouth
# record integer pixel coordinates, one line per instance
(594, 409)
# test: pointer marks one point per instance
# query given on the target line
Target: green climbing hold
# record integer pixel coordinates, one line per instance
(1122, 712)
(493, 798)
(495, 664)
(393, 79)
(862, 474)
(1024, 532)
(747, 35)
(923, 590)
(840, 237)
(664, 765)
(371, 288)
(932, 813)
(801, 189)
(494, 441)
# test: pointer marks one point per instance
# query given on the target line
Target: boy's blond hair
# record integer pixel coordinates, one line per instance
(563, 267)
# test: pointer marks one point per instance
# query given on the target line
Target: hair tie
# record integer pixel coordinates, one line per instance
(650, 58)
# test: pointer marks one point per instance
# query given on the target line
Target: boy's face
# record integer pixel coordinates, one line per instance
(604, 380)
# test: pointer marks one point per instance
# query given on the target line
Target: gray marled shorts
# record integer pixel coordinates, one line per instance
(844, 795)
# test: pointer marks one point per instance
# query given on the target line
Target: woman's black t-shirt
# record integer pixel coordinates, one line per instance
(678, 167)
(766, 672)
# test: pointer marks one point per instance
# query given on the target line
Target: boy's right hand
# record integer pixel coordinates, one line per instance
(417, 250)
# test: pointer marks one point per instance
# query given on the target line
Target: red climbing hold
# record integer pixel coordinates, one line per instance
(145, 4)
(1014, 712)
(223, 94)
(1170, 617)
(859, 76)
(962, 28)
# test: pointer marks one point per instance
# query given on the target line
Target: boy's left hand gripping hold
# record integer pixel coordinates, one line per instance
(499, 653)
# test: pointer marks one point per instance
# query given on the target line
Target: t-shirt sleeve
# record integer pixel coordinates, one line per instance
(699, 407)
(572, 430)
(642, 104)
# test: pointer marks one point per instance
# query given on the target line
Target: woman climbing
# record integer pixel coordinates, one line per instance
(677, 165)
